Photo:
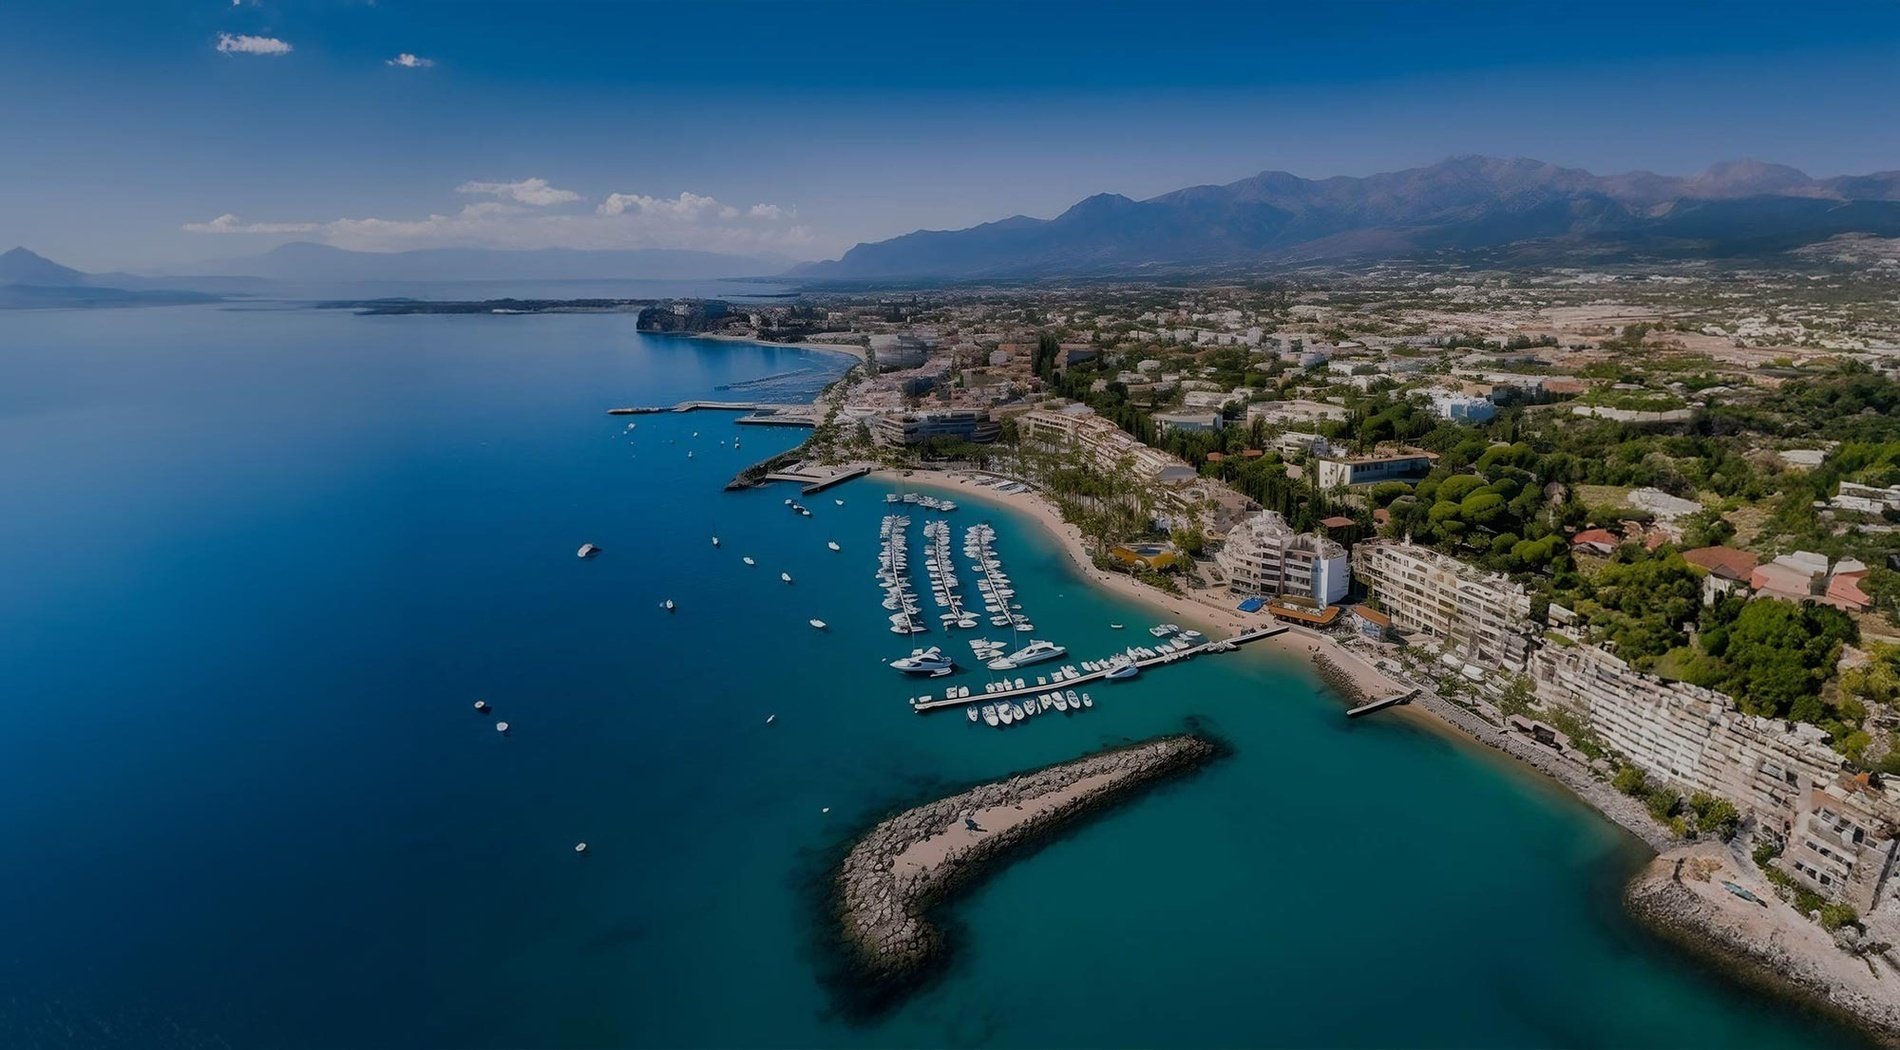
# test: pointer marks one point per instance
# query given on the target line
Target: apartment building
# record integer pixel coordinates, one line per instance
(1688, 735)
(914, 428)
(1264, 557)
(1347, 471)
(1078, 427)
(1483, 617)
(1842, 843)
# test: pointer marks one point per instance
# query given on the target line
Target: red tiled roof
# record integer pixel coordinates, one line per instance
(1723, 561)
(1603, 536)
(1337, 521)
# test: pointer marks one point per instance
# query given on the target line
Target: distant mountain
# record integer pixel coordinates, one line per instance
(1530, 209)
(304, 262)
(19, 266)
(29, 281)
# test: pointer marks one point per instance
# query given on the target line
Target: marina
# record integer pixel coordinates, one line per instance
(1097, 671)
(893, 576)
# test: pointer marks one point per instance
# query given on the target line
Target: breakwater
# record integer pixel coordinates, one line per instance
(915, 860)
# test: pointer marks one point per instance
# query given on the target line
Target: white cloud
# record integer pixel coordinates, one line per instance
(243, 44)
(229, 223)
(528, 191)
(521, 216)
(409, 61)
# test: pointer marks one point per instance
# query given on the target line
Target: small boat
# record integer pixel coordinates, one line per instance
(788, 501)
(748, 560)
(715, 541)
(833, 544)
(580, 847)
(769, 719)
(689, 453)
(989, 714)
(1074, 700)
(1087, 700)
(1017, 710)
(817, 623)
(971, 711)
(1122, 669)
(839, 502)
(1114, 627)
(501, 727)
(481, 705)
(1060, 703)
(1006, 713)
(668, 605)
(786, 576)
(587, 550)
(929, 661)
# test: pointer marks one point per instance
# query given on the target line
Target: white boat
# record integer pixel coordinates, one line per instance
(1087, 700)
(815, 622)
(1035, 652)
(748, 560)
(971, 711)
(667, 605)
(833, 544)
(1061, 704)
(1074, 700)
(924, 661)
(786, 576)
(1017, 710)
(1007, 713)
(587, 550)
(1114, 627)
(839, 502)
(715, 541)
(769, 719)
(1122, 669)
(989, 714)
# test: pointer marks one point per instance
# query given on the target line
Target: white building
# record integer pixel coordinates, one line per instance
(1263, 556)
(1101, 442)
(1481, 616)
(1462, 408)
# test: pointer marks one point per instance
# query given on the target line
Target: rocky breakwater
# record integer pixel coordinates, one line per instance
(1694, 896)
(913, 861)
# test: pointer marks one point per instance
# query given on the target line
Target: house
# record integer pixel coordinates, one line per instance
(1595, 541)
(1796, 577)
(1843, 587)
(1728, 569)
(1462, 408)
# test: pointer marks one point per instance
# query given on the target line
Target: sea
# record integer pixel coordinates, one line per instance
(258, 562)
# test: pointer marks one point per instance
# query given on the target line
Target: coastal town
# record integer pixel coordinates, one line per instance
(1638, 532)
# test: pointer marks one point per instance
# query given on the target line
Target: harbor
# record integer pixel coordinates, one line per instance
(1101, 671)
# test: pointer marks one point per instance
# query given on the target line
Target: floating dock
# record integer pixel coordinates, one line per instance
(923, 706)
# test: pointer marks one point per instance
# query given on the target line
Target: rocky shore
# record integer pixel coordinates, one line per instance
(1685, 896)
(913, 861)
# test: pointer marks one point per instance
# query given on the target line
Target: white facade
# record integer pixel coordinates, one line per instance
(1482, 616)
(1264, 556)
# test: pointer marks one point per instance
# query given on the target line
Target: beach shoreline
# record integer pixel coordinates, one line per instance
(1793, 959)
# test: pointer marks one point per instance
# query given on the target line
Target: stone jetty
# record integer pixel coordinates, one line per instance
(913, 861)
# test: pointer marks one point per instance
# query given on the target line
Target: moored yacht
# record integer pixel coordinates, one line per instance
(1035, 652)
(924, 661)
(587, 550)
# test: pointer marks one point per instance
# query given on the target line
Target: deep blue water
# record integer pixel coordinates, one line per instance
(256, 565)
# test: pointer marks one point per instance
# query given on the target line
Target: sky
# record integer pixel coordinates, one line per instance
(148, 134)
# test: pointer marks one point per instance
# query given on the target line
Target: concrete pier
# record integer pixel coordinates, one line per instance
(923, 706)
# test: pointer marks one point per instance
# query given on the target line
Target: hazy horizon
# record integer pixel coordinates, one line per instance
(800, 132)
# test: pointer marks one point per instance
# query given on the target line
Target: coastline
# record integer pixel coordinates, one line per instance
(1793, 959)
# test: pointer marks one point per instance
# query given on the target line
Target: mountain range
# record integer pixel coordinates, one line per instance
(1527, 209)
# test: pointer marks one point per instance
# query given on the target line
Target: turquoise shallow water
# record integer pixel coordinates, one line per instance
(257, 565)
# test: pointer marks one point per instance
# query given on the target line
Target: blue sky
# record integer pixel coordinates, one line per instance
(801, 128)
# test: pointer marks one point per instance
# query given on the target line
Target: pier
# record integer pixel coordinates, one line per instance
(1380, 705)
(813, 481)
(759, 413)
(923, 706)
